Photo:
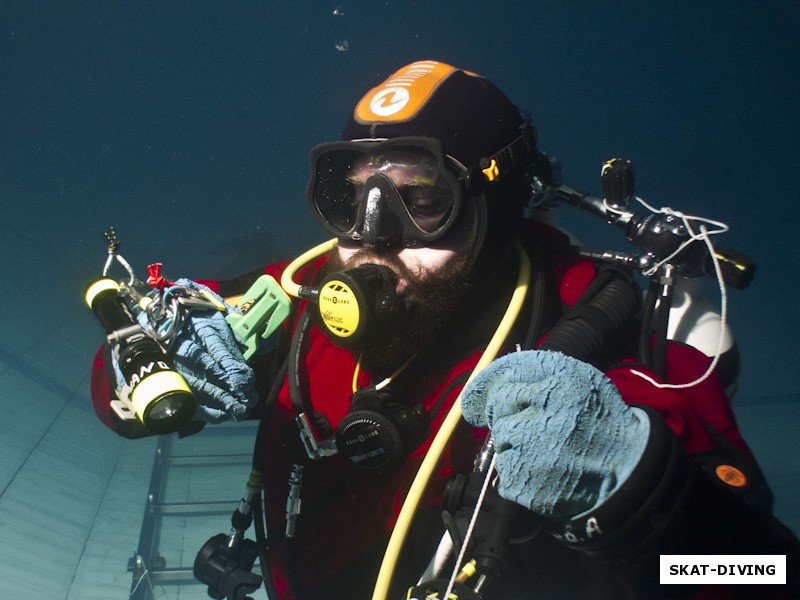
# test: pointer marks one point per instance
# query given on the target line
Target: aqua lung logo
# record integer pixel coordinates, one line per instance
(363, 443)
(335, 299)
(362, 437)
(338, 308)
(394, 96)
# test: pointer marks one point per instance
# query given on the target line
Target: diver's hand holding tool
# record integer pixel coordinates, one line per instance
(200, 346)
(180, 353)
(209, 357)
(565, 439)
(153, 390)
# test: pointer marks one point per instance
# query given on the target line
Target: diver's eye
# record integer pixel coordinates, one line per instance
(424, 201)
(428, 207)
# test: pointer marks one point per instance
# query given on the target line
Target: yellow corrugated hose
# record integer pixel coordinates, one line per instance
(449, 425)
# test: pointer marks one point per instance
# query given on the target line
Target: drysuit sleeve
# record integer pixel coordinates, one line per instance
(696, 489)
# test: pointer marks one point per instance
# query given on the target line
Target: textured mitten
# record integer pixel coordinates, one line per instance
(207, 355)
(565, 439)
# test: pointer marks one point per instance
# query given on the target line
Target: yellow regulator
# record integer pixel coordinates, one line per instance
(358, 303)
(338, 308)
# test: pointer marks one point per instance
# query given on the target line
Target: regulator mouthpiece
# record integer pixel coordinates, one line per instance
(359, 304)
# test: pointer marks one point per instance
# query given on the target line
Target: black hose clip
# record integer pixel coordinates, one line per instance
(490, 538)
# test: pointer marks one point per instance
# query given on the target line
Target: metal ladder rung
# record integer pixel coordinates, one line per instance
(207, 459)
(194, 508)
(147, 561)
(180, 575)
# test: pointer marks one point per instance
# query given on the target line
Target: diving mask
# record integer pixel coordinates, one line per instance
(403, 191)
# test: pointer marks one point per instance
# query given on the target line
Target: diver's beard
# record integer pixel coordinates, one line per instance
(430, 301)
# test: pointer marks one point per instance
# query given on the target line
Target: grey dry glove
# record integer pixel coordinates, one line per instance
(206, 353)
(565, 439)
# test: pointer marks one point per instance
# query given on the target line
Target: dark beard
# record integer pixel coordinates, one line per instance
(430, 301)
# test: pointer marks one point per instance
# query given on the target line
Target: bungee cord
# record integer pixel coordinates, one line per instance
(703, 235)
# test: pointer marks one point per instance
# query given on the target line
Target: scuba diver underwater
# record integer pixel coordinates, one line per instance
(454, 399)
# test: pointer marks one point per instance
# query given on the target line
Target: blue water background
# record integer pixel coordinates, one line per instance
(187, 126)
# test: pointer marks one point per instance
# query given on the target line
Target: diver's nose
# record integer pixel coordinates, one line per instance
(378, 223)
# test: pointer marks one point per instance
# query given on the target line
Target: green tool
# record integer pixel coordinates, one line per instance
(264, 307)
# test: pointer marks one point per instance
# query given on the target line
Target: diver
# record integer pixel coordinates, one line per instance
(599, 470)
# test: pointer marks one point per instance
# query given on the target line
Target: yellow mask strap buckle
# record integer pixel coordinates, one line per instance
(492, 171)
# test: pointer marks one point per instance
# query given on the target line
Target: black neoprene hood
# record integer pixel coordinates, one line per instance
(469, 114)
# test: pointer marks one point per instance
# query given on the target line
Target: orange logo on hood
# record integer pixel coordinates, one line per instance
(400, 97)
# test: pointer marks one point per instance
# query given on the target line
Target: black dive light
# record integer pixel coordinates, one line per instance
(160, 396)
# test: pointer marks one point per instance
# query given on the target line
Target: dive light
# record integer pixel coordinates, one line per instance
(160, 396)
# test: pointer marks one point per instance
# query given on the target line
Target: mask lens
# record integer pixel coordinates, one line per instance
(426, 194)
(334, 194)
(429, 208)
(426, 189)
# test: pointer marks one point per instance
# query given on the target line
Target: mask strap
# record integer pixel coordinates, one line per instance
(506, 159)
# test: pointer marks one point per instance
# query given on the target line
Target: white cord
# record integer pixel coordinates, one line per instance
(686, 220)
(704, 235)
(723, 314)
(145, 575)
(473, 520)
(720, 227)
(616, 211)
